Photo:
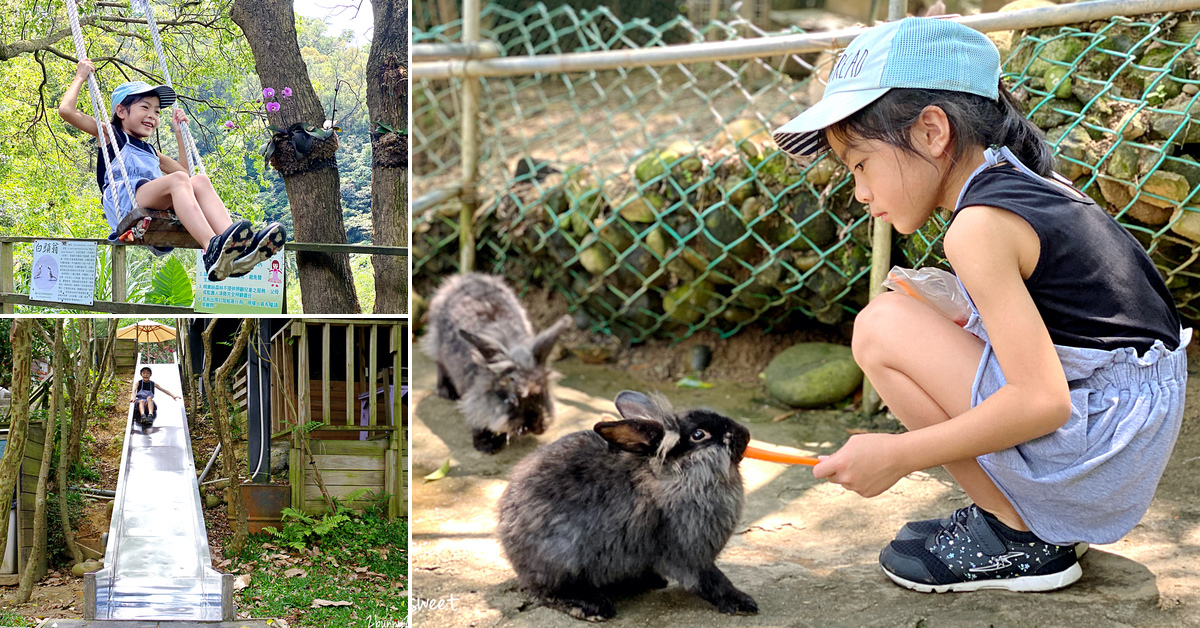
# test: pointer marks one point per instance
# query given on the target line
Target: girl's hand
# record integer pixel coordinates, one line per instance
(84, 69)
(866, 464)
(178, 117)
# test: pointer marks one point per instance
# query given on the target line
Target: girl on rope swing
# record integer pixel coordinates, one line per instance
(233, 249)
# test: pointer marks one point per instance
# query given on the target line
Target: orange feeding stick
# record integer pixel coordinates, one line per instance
(759, 450)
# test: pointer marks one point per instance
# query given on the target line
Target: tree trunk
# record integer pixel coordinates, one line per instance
(25, 591)
(387, 102)
(14, 451)
(326, 282)
(218, 401)
(62, 358)
(79, 392)
(106, 361)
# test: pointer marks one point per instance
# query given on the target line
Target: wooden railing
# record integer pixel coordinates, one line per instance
(119, 304)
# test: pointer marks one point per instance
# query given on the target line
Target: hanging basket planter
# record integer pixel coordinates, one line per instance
(389, 147)
(300, 148)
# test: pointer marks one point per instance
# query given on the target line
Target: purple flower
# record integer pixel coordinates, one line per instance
(272, 106)
(229, 124)
(268, 92)
(287, 92)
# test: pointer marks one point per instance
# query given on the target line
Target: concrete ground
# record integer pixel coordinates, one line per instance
(806, 550)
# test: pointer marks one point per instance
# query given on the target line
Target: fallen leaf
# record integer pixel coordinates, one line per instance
(362, 569)
(292, 573)
(857, 430)
(241, 582)
(440, 473)
(319, 603)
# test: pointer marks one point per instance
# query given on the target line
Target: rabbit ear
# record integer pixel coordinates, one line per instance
(638, 436)
(635, 405)
(488, 348)
(545, 340)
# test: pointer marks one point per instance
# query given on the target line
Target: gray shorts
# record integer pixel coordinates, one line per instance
(1093, 478)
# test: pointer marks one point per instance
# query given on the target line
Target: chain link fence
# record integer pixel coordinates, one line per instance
(654, 200)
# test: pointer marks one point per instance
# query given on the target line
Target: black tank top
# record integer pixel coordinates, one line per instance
(147, 386)
(1094, 284)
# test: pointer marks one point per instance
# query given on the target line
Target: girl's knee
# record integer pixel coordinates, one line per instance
(876, 323)
(200, 179)
(178, 179)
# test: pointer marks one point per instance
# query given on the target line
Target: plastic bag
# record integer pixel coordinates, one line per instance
(933, 287)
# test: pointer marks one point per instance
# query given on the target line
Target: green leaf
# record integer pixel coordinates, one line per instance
(172, 285)
(692, 382)
(276, 129)
(440, 473)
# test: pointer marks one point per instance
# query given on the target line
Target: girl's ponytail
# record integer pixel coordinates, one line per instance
(1022, 137)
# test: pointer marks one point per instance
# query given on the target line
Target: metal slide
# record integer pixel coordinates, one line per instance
(157, 564)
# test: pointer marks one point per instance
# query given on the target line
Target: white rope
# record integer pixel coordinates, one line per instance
(100, 113)
(194, 162)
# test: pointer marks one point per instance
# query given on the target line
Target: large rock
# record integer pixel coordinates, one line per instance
(813, 374)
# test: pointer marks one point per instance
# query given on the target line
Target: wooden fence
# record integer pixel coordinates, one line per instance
(119, 269)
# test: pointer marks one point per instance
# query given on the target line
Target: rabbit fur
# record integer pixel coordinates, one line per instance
(489, 359)
(618, 509)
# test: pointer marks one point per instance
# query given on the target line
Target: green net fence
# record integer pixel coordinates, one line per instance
(654, 200)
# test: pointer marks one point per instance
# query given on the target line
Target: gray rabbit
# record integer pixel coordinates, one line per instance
(618, 509)
(489, 360)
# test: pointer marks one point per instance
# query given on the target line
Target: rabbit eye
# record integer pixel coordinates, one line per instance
(699, 435)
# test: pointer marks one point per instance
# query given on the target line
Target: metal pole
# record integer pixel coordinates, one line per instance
(461, 50)
(470, 146)
(881, 249)
(779, 45)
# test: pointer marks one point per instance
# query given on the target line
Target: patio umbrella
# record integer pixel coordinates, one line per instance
(147, 331)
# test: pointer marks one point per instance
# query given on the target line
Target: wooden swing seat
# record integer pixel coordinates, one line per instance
(155, 227)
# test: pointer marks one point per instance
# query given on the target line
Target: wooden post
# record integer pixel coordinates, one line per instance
(372, 397)
(120, 275)
(399, 504)
(351, 419)
(326, 364)
(299, 434)
(7, 284)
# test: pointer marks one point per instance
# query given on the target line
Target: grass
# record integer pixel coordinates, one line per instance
(9, 618)
(363, 561)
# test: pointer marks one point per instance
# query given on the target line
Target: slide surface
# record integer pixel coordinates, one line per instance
(157, 563)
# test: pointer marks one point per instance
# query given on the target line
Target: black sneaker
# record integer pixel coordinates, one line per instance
(969, 554)
(923, 529)
(266, 243)
(225, 248)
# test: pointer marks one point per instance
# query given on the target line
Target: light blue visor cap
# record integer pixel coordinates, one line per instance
(166, 95)
(915, 53)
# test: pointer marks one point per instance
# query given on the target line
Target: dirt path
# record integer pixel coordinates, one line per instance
(806, 550)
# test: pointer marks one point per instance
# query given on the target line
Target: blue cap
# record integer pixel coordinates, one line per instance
(916, 52)
(166, 95)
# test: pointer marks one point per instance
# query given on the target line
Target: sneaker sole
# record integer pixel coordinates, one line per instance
(235, 246)
(1023, 584)
(267, 247)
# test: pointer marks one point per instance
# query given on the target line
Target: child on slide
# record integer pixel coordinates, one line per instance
(232, 249)
(143, 395)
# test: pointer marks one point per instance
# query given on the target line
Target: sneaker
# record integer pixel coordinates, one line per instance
(266, 243)
(223, 249)
(975, 551)
(923, 529)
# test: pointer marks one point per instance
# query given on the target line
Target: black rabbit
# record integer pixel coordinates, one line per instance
(619, 509)
(489, 359)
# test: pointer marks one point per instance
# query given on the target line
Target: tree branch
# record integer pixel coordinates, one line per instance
(8, 51)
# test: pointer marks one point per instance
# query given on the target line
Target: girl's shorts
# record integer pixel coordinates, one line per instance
(1093, 478)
